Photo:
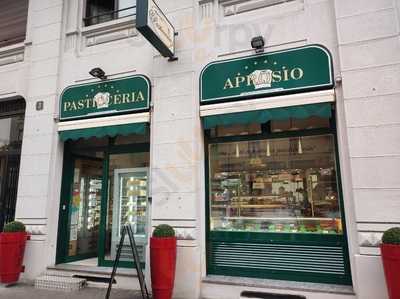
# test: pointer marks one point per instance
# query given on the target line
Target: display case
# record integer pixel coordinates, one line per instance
(272, 186)
(129, 207)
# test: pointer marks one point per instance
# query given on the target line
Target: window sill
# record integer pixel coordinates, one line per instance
(109, 25)
(12, 53)
(109, 31)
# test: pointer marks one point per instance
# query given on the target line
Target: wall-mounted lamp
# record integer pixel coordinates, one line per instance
(258, 43)
(98, 73)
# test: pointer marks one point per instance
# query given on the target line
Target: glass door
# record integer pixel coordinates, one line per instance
(103, 189)
(130, 208)
(84, 208)
(127, 203)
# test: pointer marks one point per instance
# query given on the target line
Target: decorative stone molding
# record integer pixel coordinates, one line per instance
(206, 9)
(234, 7)
(108, 32)
(369, 239)
(12, 54)
(185, 233)
(36, 229)
(70, 40)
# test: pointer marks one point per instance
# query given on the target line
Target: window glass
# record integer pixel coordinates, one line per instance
(11, 131)
(127, 204)
(99, 11)
(277, 185)
(84, 210)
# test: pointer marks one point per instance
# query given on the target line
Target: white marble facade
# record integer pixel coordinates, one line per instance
(363, 37)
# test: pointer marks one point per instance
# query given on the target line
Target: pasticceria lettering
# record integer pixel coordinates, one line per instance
(116, 99)
(277, 76)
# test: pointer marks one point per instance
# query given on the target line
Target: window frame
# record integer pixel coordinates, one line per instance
(114, 13)
(340, 240)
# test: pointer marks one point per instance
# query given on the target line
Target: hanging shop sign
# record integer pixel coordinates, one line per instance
(130, 94)
(155, 27)
(288, 71)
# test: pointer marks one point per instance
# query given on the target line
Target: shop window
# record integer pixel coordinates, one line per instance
(99, 11)
(13, 16)
(282, 185)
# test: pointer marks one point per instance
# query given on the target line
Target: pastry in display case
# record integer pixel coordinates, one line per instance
(285, 193)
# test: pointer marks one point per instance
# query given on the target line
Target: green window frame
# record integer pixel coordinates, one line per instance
(63, 226)
(231, 241)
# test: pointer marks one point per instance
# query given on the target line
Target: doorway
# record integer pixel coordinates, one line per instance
(105, 185)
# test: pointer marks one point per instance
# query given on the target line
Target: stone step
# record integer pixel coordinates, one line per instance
(59, 283)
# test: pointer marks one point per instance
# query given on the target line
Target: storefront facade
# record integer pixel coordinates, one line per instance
(260, 161)
(106, 133)
(274, 203)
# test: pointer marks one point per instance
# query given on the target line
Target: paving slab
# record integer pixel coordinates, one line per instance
(27, 291)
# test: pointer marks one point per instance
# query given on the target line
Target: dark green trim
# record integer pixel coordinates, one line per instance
(62, 242)
(341, 200)
(277, 238)
(103, 207)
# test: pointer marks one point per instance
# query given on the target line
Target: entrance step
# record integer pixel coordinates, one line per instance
(97, 276)
(59, 283)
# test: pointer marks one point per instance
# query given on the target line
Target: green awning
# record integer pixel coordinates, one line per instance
(262, 116)
(111, 131)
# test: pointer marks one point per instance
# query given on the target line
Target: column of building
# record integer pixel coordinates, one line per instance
(37, 183)
(174, 142)
(368, 37)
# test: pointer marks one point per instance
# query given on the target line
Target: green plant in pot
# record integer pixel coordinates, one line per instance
(390, 250)
(12, 249)
(14, 227)
(163, 261)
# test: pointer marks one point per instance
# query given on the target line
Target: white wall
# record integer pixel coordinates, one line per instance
(369, 46)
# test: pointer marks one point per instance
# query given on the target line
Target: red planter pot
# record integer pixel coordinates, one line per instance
(391, 265)
(12, 248)
(162, 265)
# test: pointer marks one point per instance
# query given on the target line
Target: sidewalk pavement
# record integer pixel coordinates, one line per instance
(26, 291)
